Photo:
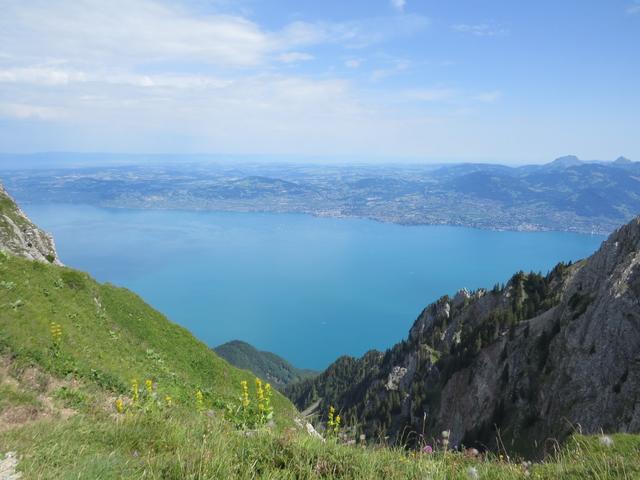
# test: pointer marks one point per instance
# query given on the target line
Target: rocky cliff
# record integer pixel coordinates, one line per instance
(19, 236)
(523, 364)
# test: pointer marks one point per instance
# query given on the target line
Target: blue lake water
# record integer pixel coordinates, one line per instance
(310, 289)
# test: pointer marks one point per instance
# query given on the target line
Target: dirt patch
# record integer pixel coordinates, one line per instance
(18, 415)
(33, 381)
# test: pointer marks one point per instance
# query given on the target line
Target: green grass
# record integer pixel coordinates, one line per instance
(72, 398)
(10, 396)
(109, 337)
(8, 208)
(181, 444)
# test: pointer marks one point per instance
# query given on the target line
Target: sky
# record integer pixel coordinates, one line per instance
(393, 80)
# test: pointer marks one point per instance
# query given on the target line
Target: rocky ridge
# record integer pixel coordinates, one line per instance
(19, 236)
(522, 365)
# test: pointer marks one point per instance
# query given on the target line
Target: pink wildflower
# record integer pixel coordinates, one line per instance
(427, 449)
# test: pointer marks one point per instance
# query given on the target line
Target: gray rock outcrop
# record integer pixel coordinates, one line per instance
(19, 236)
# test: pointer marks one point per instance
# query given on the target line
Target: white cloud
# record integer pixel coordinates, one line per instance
(293, 57)
(152, 76)
(429, 94)
(460, 99)
(154, 32)
(51, 76)
(94, 31)
(353, 34)
(481, 30)
(398, 66)
(398, 4)
(488, 97)
(41, 76)
(633, 9)
(25, 112)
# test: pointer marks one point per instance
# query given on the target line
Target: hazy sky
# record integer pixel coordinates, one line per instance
(511, 81)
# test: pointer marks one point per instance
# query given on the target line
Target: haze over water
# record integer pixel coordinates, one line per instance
(309, 289)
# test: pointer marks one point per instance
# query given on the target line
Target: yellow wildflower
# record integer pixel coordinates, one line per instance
(260, 395)
(119, 405)
(330, 421)
(168, 400)
(135, 391)
(199, 399)
(148, 386)
(56, 332)
(267, 398)
(245, 394)
(259, 390)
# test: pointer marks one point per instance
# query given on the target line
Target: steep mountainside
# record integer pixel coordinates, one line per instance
(266, 365)
(533, 360)
(109, 335)
(18, 235)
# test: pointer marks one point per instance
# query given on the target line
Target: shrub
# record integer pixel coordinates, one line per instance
(74, 280)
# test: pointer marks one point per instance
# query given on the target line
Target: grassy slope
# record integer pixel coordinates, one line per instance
(183, 445)
(8, 208)
(110, 336)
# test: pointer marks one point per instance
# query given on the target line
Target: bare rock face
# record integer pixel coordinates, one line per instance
(532, 362)
(574, 366)
(395, 377)
(19, 236)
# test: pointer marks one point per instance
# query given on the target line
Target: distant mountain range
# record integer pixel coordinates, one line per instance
(567, 194)
(266, 365)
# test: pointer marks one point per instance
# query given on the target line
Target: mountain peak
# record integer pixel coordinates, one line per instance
(625, 239)
(622, 160)
(566, 161)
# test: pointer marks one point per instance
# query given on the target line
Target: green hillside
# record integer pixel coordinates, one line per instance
(109, 336)
(266, 365)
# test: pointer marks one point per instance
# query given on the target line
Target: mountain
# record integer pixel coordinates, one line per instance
(266, 365)
(564, 162)
(567, 194)
(531, 360)
(19, 236)
(622, 161)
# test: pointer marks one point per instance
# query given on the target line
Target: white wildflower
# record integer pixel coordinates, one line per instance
(472, 472)
(606, 440)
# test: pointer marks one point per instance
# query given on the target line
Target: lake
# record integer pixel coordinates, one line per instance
(309, 289)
